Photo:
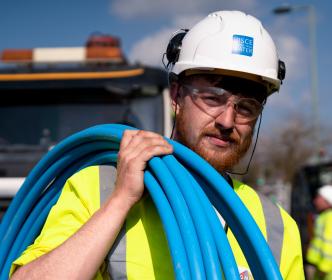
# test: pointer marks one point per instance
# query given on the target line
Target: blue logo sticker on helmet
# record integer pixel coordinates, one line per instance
(243, 45)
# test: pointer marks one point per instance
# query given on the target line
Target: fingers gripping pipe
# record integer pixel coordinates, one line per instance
(197, 241)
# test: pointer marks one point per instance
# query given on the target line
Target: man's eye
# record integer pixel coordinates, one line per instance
(210, 99)
(247, 108)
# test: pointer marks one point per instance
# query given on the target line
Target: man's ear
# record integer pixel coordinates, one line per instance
(174, 93)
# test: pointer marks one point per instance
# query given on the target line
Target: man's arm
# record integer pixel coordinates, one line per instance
(81, 255)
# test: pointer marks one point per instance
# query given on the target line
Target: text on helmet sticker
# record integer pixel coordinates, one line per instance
(243, 45)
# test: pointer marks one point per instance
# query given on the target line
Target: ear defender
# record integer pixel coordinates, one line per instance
(174, 47)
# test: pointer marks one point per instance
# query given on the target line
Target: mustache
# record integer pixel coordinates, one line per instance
(225, 135)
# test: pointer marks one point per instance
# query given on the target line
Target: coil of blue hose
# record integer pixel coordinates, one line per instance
(197, 241)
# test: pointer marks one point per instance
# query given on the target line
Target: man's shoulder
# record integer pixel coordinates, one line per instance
(326, 217)
(92, 172)
(85, 172)
(244, 190)
(328, 212)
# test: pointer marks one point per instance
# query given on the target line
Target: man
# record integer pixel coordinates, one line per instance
(320, 250)
(221, 72)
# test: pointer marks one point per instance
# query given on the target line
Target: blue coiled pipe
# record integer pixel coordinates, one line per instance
(184, 201)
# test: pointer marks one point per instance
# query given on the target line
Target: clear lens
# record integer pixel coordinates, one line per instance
(214, 101)
(248, 107)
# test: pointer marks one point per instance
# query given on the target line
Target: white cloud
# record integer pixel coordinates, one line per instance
(295, 55)
(155, 8)
(294, 93)
(292, 47)
(149, 50)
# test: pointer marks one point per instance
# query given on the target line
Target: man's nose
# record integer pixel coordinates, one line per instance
(227, 117)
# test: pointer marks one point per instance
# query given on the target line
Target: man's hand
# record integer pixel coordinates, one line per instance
(136, 149)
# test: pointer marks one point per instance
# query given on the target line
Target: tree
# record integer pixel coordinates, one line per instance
(284, 150)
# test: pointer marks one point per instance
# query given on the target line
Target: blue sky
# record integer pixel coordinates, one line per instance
(145, 26)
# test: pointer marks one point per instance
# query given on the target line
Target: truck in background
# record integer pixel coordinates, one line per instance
(48, 94)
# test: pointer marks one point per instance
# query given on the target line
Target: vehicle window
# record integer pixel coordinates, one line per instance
(44, 117)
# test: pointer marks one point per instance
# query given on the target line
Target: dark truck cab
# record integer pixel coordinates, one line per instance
(41, 104)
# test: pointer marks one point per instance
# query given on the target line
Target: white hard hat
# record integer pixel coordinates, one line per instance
(326, 193)
(232, 43)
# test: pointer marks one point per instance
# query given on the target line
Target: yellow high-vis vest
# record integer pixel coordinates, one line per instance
(141, 250)
(320, 248)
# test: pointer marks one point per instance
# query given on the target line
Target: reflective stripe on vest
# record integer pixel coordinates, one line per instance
(107, 176)
(274, 226)
(116, 258)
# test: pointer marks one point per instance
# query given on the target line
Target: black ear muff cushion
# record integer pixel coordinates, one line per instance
(281, 70)
(174, 47)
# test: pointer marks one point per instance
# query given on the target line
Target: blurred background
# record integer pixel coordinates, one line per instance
(294, 151)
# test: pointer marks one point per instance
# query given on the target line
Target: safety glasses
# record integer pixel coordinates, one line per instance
(214, 101)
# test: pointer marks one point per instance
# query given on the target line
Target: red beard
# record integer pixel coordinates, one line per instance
(222, 159)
